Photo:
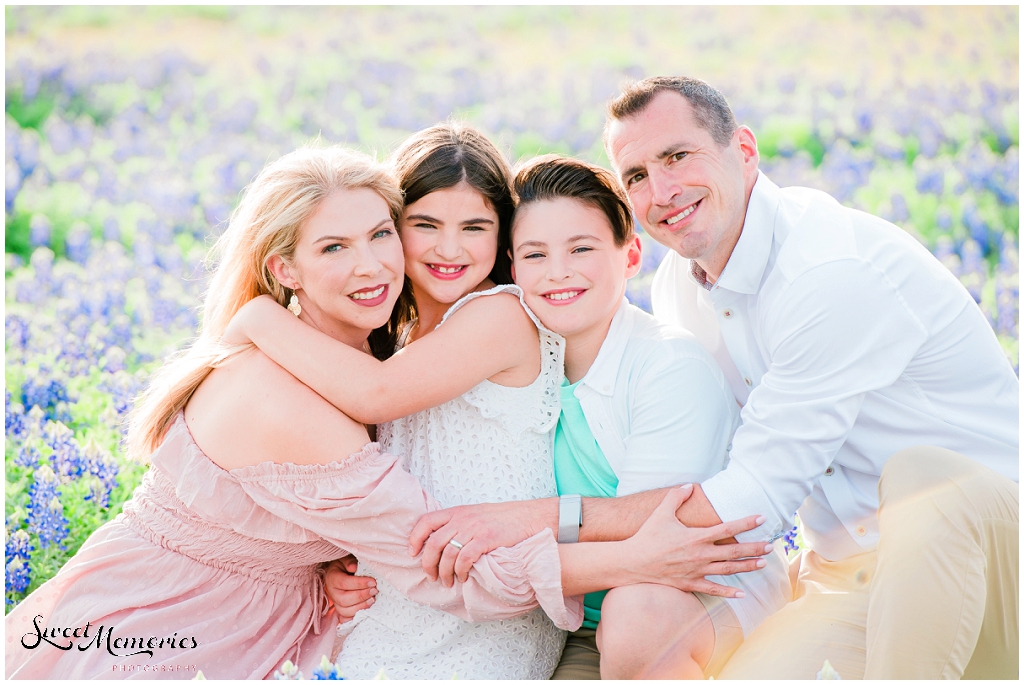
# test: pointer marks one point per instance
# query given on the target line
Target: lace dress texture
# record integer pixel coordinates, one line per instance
(492, 444)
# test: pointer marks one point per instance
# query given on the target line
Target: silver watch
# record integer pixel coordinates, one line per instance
(570, 518)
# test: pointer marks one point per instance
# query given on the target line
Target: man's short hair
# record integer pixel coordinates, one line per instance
(710, 108)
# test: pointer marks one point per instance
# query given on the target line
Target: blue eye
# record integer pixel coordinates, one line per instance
(333, 247)
(582, 248)
(383, 233)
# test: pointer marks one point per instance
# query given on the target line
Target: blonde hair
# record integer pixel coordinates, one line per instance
(266, 223)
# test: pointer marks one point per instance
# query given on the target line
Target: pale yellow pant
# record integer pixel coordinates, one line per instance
(938, 599)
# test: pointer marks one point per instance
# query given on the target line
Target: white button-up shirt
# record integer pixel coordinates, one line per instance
(846, 341)
(657, 404)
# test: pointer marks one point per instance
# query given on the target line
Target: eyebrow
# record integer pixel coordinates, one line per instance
(342, 239)
(433, 220)
(575, 238)
(636, 168)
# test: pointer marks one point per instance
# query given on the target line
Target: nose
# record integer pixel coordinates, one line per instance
(559, 268)
(367, 262)
(449, 244)
(663, 186)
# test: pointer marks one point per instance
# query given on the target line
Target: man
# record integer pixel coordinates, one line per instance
(846, 342)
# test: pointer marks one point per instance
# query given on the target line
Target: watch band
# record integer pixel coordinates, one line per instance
(570, 518)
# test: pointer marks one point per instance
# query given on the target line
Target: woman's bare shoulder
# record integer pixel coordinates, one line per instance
(250, 410)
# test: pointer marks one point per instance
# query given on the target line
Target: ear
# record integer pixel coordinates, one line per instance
(512, 265)
(748, 150)
(282, 272)
(634, 256)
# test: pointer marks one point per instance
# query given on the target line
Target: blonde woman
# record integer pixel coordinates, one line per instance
(254, 479)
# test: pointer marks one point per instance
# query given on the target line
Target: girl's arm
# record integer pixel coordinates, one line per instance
(483, 338)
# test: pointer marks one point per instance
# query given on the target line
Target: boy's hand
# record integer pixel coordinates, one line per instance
(665, 551)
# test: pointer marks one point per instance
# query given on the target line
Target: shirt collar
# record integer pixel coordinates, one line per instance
(605, 369)
(745, 268)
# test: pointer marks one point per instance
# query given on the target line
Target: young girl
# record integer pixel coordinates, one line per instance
(472, 403)
(643, 406)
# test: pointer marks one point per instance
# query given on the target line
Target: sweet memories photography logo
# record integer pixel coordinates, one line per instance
(102, 637)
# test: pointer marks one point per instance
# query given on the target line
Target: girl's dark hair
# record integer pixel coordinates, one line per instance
(552, 176)
(440, 157)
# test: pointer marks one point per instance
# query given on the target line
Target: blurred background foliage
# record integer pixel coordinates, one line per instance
(130, 132)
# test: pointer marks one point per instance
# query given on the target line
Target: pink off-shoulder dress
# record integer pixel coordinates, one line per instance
(216, 570)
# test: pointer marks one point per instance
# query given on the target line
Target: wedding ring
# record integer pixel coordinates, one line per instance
(455, 543)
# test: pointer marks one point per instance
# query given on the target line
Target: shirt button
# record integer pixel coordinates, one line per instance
(862, 531)
(727, 313)
(829, 471)
(746, 379)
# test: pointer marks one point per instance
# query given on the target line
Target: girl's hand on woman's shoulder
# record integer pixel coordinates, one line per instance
(260, 311)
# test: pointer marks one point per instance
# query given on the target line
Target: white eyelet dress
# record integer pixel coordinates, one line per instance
(492, 444)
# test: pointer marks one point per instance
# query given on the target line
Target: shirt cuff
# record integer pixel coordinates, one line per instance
(735, 493)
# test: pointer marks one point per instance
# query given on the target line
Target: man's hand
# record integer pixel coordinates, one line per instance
(348, 592)
(251, 313)
(667, 552)
(480, 528)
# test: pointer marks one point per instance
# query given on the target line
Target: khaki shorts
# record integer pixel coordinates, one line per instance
(581, 659)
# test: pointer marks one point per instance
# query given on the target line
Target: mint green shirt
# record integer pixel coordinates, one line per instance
(581, 469)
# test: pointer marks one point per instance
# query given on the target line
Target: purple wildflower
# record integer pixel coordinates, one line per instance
(67, 459)
(45, 511)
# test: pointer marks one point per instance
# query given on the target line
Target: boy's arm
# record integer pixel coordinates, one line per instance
(665, 552)
(481, 528)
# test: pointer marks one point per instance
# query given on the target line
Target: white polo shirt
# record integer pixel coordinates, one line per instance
(657, 404)
(846, 341)
(662, 413)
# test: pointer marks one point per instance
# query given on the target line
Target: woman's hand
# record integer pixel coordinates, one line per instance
(667, 552)
(479, 528)
(255, 312)
(348, 592)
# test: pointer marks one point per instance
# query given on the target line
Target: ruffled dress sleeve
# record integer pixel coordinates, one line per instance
(368, 505)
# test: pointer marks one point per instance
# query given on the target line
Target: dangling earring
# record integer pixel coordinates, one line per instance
(293, 304)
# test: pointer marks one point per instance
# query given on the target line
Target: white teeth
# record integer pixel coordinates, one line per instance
(368, 295)
(449, 269)
(679, 217)
(568, 295)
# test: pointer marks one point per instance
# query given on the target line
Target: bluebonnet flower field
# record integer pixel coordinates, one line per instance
(130, 132)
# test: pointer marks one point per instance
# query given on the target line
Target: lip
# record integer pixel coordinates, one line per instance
(376, 301)
(673, 228)
(432, 269)
(570, 300)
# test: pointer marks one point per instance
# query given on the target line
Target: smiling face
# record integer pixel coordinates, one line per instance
(688, 193)
(571, 271)
(348, 267)
(450, 239)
